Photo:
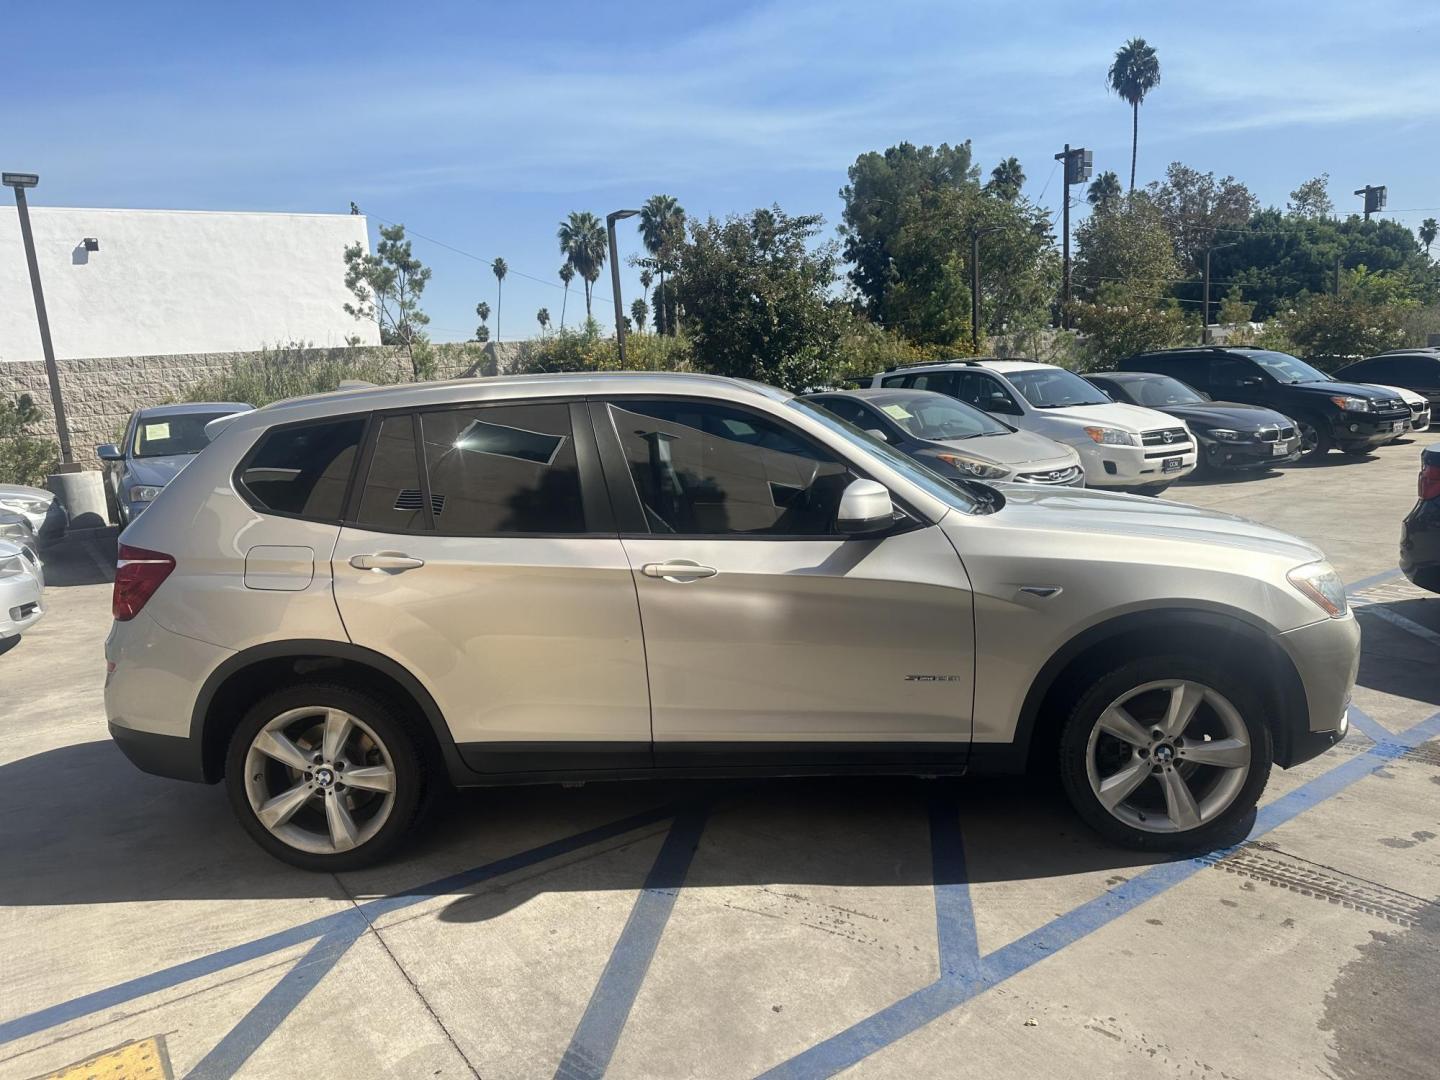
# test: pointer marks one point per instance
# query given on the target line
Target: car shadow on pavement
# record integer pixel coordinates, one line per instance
(81, 560)
(82, 826)
(1395, 661)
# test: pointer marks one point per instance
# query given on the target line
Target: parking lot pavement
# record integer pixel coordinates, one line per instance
(891, 928)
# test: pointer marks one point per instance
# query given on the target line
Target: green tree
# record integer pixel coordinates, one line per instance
(1311, 199)
(387, 287)
(1125, 245)
(567, 275)
(1365, 317)
(1117, 324)
(499, 269)
(757, 298)
(1006, 179)
(1197, 208)
(1134, 72)
(1103, 190)
(1428, 231)
(583, 243)
(662, 230)
(883, 189)
(482, 311)
(639, 311)
(543, 318)
(24, 457)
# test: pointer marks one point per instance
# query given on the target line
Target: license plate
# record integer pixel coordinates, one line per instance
(1281, 449)
(1172, 464)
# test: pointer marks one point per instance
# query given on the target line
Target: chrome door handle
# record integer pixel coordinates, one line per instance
(678, 570)
(386, 560)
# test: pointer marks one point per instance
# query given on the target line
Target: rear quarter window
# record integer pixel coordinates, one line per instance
(302, 470)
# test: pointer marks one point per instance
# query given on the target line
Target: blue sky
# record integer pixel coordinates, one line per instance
(481, 125)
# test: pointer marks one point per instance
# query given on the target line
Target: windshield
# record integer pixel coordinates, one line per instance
(936, 417)
(1161, 390)
(931, 483)
(1283, 367)
(165, 436)
(1054, 388)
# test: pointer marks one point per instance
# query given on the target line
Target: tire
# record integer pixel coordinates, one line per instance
(330, 823)
(1143, 807)
(1317, 439)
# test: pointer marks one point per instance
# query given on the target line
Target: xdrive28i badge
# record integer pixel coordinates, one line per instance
(934, 678)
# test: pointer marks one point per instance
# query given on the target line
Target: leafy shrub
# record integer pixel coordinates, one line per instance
(586, 350)
(24, 458)
(294, 370)
(1116, 326)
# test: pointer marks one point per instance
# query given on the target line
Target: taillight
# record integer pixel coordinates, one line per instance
(138, 573)
(1429, 480)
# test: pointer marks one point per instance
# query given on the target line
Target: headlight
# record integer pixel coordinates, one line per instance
(10, 565)
(1320, 582)
(1352, 404)
(145, 493)
(24, 506)
(1111, 437)
(968, 466)
(1223, 434)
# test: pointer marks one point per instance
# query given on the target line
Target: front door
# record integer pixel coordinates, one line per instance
(771, 639)
(487, 564)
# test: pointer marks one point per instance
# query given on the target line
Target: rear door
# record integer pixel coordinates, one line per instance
(480, 553)
(771, 639)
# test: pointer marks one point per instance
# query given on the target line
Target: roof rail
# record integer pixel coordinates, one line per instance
(967, 361)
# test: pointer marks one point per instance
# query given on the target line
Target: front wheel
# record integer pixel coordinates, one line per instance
(1166, 754)
(324, 777)
(1315, 441)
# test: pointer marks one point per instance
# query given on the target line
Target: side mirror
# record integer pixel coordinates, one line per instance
(109, 452)
(879, 433)
(865, 508)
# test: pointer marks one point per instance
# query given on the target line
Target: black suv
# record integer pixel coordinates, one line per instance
(1351, 417)
(1412, 369)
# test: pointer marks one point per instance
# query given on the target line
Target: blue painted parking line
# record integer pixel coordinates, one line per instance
(200, 967)
(1367, 725)
(270, 1011)
(913, 1012)
(954, 918)
(595, 1038)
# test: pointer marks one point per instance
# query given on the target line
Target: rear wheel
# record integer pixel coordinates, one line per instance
(324, 777)
(1168, 754)
(1315, 441)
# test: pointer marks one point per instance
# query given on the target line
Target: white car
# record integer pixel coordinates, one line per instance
(46, 515)
(21, 590)
(1120, 446)
(1419, 407)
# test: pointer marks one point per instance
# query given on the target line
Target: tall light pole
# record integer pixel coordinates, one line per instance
(1079, 163)
(1205, 303)
(610, 219)
(21, 181)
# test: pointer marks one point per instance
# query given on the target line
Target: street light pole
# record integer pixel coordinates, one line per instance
(1077, 164)
(1205, 309)
(21, 181)
(610, 220)
(975, 291)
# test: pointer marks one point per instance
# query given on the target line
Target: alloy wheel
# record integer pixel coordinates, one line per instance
(1168, 756)
(1309, 438)
(320, 780)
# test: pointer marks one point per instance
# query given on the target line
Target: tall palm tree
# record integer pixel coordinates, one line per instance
(1428, 231)
(639, 310)
(1103, 190)
(482, 332)
(662, 227)
(543, 318)
(567, 275)
(583, 243)
(1006, 179)
(499, 269)
(1135, 72)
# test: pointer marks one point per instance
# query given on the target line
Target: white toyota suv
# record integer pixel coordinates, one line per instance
(1121, 446)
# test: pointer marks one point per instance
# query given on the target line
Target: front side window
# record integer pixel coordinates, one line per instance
(708, 469)
(303, 469)
(503, 469)
(1284, 368)
(987, 393)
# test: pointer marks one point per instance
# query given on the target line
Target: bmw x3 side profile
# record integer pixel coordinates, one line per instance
(350, 600)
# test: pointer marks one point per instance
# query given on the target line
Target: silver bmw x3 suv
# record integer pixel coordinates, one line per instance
(349, 599)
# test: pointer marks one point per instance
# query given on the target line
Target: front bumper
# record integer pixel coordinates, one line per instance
(1356, 430)
(1326, 655)
(1134, 466)
(1420, 545)
(21, 603)
(1248, 455)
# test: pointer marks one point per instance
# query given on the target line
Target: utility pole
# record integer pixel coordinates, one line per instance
(21, 181)
(975, 291)
(1375, 199)
(1078, 163)
(1205, 310)
(610, 220)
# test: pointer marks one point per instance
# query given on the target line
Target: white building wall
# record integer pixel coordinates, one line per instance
(177, 281)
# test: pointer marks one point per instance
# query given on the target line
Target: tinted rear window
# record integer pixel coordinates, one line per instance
(302, 469)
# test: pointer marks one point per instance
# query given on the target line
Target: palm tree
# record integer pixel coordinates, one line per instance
(1103, 190)
(1428, 232)
(583, 243)
(1006, 179)
(639, 310)
(499, 269)
(482, 332)
(543, 318)
(662, 227)
(567, 275)
(1135, 72)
